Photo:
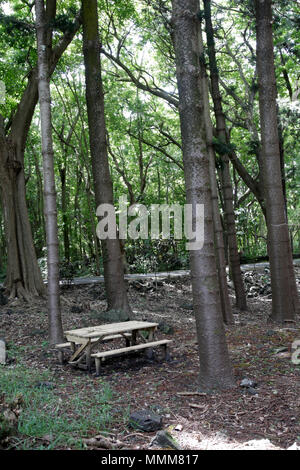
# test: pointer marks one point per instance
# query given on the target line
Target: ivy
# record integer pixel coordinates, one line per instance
(11, 24)
(223, 148)
(253, 147)
(62, 23)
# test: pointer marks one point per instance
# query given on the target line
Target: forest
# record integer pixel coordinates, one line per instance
(149, 192)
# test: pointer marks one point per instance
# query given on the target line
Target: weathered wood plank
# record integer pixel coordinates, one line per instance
(115, 352)
(111, 328)
(62, 345)
(102, 355)
(94, 340)
(79, 351)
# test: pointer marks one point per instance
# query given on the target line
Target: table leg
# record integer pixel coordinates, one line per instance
(150, 352)
(151, 335)
(98, 365)
(165, 352)
(61, 357)
(134, 337)
(88, 356)
(79, 351)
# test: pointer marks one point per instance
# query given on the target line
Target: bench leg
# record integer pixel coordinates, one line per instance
(133, 338)
(151, 335)
(61, 358)
(166, 355)
(88, 357)
(98, 365)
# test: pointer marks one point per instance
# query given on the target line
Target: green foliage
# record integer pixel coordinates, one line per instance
(223, 148)
(13, 25)
(144, 256)
(143, 129)
(253, 147)
(64, 22)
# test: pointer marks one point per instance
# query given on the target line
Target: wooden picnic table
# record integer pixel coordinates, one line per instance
(83, 340)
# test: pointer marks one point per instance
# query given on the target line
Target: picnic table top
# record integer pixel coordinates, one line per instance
(110, 328)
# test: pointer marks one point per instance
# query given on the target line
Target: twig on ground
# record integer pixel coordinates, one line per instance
(104, 442)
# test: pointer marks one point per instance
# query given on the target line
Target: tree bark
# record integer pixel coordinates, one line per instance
(50, 209)
(116, 292)
(23, 277)
(218, 230)
(215, 368)
(64, 209)
(234, 258)
(40, 198)
(285, 299)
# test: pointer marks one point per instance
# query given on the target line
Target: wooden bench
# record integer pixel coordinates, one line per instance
(62, 346)
(101, 356)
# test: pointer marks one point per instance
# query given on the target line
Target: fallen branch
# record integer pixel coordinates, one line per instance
(135, 434)
(104, 442)
(194, 405)
(201, 407)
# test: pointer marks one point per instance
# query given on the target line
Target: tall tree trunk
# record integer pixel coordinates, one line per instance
(50, 209)
(285, 300)
(225, 170)
(218, 230)
(93, 227)
(215, 369)
(40, 197)
(64, 209)
(2, 241)
(116, 292)
(23, 277)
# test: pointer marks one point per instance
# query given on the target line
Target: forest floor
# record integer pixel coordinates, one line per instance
(56, 406)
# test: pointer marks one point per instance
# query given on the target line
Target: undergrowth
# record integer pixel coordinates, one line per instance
(54, 414)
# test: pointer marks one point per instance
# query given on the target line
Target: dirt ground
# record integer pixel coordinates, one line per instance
(264, 418)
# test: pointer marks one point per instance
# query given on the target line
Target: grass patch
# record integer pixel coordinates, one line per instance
(65, 413)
